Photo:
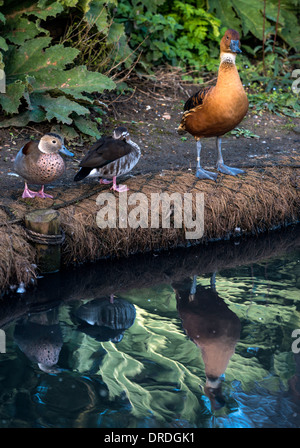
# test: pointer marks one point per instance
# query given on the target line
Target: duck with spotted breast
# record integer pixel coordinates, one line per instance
(215, 110)
(39, 162)
(109, 158)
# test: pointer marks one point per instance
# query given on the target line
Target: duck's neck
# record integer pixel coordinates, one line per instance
(228, 74)
(228, 58)
(134, 145)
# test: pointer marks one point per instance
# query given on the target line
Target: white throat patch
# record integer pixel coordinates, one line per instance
(40, 146)
(228, 57)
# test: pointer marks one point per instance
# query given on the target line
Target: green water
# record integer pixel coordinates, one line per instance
(193, 339)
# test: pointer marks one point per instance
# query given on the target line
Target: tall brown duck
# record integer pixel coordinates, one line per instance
(215, 110)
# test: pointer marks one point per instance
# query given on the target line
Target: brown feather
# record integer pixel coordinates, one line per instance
(197, 99)
(28, 148)
(105, 151)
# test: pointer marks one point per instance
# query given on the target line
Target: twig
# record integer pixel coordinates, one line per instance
(263, 41)
(276, 28)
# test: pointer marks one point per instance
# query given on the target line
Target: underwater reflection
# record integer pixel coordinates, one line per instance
(213, 327)
(105, 319)
(140, 318)
(39, 337)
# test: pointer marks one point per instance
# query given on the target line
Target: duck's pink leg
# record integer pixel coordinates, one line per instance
(105, 181)
(43, 195)
(28, 193)
(111, 299)
(119, 188)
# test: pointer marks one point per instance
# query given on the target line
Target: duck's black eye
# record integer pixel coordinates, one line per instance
(54, 142)
(227, 37)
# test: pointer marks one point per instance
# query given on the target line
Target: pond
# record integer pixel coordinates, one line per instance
(204, 337)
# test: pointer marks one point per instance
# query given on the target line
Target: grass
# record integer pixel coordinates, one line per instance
(240, 132)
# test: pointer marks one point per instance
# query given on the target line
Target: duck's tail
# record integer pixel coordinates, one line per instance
(82, 173)
(181, 128)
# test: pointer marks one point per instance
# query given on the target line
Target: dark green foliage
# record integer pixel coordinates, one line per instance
(52, 73)
(43, 83)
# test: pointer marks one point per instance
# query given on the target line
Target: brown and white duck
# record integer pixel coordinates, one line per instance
(109, 158)
(215, 110)
(39, 162)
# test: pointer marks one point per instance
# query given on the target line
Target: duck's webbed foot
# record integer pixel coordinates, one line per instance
(119, 188)
(203, 174)
(221, 165)
(43, 195)
(105, 181)
(229, 170)
(28, 193)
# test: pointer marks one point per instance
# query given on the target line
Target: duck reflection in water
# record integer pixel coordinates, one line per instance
(105, 319)
(39, 337)
(213, 327)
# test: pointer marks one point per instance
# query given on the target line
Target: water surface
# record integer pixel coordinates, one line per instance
(187, 339)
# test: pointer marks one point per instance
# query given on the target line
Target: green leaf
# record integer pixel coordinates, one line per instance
(42, 9)
(87, 127)
(97, 15)
(23, 29)
(115, 32)
(3, 44)
(82, 80)
(35, 115)
(68, 132)
(11, 100)
(251, 16)
(225, 13)
(72, 82)
(60, 107)
(31, 57)
(25, 59)
(291, 31)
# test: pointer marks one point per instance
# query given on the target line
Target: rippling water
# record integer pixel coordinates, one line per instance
(190, 339)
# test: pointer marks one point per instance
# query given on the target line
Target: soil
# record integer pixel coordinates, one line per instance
(152, 116)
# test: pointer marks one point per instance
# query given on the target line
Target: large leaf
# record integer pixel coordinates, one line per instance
(72, 82)
(59, 108)
(41, 9)
(115, 32)
(45, 9)
(21, 120)
(82, 80)
(225, 13)
(251, 16)
(3, 44)
(22, 59)
(87, 127)
(291, 31)
(31, 57)
(22, 30)
(11, 100)
(97, 15)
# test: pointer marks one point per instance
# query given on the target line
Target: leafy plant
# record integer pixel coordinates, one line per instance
(247, 18)
(149, 31)
(42, 81)
(169, 31)
(278, 102)
(240, 132)
(197, 36)
(270, 80)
